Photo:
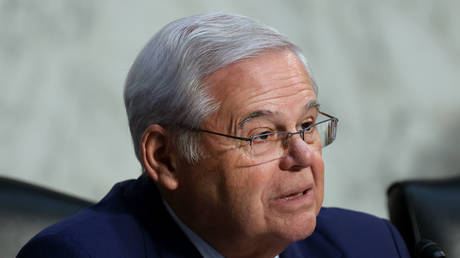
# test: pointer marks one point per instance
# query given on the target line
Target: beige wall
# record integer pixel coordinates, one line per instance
(388, 69)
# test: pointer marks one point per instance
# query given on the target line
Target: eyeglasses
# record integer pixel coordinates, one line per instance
(272, 145)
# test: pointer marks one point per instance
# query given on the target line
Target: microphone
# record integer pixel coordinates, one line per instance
(428, 249)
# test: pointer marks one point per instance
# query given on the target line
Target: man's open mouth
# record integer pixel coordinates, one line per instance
(295, 195)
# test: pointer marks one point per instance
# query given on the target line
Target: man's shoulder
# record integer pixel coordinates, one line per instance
(339, 218)
(355, 228)
(130, 221)
(106, 227)
(346, 233)
(89, 233)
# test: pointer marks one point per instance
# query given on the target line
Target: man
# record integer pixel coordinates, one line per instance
(225, 121)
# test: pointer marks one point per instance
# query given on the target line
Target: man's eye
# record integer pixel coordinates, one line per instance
(263, 136)
(307, 125)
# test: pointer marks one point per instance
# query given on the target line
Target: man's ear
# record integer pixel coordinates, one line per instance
(158, 158)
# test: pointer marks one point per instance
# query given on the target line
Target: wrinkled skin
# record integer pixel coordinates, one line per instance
(240, 207)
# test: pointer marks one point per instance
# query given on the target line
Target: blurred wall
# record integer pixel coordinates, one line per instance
(388, 69)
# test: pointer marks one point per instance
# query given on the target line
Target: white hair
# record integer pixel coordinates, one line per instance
(165, 83)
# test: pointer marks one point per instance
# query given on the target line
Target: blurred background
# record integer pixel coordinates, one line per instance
(389, 70)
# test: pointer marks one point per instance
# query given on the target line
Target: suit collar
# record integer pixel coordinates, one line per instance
(163, 236)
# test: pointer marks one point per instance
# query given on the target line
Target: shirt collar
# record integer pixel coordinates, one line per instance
(204, 248)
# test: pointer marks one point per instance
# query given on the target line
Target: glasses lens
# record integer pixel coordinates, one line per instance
(327, 131)
(273, 145)
(267, 145)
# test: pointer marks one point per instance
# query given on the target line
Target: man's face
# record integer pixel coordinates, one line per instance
(228, 193)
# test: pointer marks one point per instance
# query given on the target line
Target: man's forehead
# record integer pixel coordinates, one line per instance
(258, 74)
(244, 67)
(275, 82)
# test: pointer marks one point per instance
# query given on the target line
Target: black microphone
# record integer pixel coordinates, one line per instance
(428, 249)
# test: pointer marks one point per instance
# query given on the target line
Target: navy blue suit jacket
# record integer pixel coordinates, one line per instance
(132, 222)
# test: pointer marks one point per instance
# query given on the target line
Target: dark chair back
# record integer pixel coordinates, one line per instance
(427, 209)
(26, 209)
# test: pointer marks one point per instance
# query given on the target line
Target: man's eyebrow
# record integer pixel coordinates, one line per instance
(253, 115)
(312, 104)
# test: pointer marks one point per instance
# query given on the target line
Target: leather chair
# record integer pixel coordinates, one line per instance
(427, 209)
(25, 209)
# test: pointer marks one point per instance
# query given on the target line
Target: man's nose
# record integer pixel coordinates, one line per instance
(298, 155)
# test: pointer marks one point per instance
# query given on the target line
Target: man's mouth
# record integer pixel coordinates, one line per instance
(295, 194)
(295, 200)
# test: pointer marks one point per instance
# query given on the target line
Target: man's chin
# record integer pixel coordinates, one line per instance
(299, 228)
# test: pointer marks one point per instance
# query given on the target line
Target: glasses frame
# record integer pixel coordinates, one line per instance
(300, 132)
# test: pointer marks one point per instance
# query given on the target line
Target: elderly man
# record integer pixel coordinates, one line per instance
(225, 121)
